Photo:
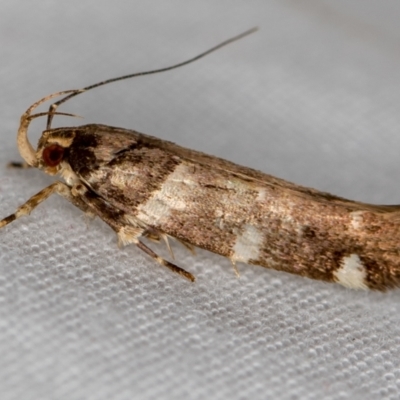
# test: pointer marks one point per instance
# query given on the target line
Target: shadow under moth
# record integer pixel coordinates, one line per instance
(142, 186)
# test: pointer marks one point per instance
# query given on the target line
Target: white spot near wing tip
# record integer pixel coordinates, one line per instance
(248, 245)
(357, 219)
(352, 272)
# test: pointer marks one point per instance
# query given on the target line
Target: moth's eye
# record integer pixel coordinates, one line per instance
(53, 155)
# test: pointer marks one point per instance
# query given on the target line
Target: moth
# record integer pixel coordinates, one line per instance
(142, 186)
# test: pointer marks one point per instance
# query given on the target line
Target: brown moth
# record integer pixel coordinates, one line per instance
(142, 186)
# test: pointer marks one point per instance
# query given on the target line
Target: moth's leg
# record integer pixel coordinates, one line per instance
(156, 236)
(187, 246)
(164, 262)
(57, 187)
(18, 164)
(126, 231)
(235, 268)
(166, 241)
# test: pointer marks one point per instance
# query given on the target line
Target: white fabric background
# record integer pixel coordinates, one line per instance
(313, 97)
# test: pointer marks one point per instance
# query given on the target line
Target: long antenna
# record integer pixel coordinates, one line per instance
(54, 106)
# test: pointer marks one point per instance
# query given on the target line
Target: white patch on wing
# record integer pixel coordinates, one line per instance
(356, 219)
(262, 194)
(171, 196)
(352, 272)
(126, 179)
(248, 245)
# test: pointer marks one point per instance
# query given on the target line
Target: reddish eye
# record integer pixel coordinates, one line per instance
(53, 155)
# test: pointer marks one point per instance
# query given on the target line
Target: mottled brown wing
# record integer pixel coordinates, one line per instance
(237, 212)
(124, 140)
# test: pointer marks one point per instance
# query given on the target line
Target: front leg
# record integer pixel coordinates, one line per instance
(57, 187)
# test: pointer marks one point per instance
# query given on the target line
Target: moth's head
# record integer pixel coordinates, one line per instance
(52, 149)
(52, 144)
